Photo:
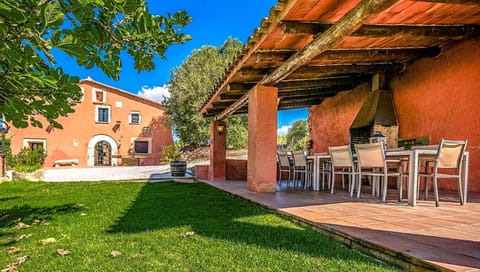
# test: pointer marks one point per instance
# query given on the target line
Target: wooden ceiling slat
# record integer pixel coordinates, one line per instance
(308, 72)
(328, 82)
(384, 30)
(359, 54)
(326, 91)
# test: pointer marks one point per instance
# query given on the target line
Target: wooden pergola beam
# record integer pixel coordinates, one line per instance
(350, 22)
(330, 91)
(384, 30)
(359, 53)
(307, 72)
(313, 83)
(295, 104)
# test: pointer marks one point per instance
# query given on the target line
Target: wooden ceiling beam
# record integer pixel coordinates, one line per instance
(350, 22)
(307, 72)
(383, 30)
(299, 103)
(312, 83)
(328, 82)
(329, 91)
(361, 53)
(324, 92)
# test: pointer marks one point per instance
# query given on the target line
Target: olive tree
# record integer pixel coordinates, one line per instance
(190, 85)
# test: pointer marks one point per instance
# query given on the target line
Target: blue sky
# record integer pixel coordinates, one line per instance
(213, 21)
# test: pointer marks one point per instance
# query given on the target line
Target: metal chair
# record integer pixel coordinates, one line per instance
(372, 162)
(425, 165)
(449, 156)
(342, 164)
(301, 168)
(283, 166)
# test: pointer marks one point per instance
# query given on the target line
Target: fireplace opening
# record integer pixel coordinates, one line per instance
(377, 115)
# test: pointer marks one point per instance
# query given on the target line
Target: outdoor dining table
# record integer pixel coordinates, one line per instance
(413, 156)
(413, 159)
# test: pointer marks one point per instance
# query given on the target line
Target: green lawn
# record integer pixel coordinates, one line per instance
(151, 224)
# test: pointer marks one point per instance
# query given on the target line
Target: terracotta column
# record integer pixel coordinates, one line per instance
(218, 152)
(262, 139)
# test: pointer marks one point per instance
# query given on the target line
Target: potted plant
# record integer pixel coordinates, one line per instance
(171, 154)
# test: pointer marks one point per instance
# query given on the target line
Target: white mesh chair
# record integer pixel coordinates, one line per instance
(425, 166)
(301, 169)
(342, 164)
(283, 166)
(372, 162)
(449, 156)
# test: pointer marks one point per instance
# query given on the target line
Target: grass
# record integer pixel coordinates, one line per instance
(152, 224)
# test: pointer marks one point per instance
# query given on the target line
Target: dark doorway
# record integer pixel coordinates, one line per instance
(103, 154)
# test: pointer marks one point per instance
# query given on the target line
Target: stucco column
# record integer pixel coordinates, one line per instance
(218, 152)
(262, 139)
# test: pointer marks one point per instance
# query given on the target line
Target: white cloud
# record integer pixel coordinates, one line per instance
(283, 130)
(155, 93)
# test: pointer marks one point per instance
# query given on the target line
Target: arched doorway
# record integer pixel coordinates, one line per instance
(102, 150)
(103, 154)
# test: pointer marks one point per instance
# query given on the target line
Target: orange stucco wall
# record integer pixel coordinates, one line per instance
(438, 98)
(71, 142)
(236, 170)
(330, 121)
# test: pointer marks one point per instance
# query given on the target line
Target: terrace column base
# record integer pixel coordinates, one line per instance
(262, 139)
(218, 154)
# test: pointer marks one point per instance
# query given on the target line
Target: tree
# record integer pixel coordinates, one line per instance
(190, 85)
(298, 135)
(93, 32)
(237, 128)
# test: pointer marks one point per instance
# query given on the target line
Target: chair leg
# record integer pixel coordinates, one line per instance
(332, 179)
(400, 187)
(359, 187)
(435, 189)
(385, 185)
(352, 184)
(460, 190)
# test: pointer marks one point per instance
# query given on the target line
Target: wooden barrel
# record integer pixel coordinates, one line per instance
(178, 168)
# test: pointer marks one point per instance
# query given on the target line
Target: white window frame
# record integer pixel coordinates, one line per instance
(141, 139)
(26, 142)
(109, 114)
(130, 119)
(94, 95)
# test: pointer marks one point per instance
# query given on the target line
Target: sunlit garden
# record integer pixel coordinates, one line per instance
(168, 226)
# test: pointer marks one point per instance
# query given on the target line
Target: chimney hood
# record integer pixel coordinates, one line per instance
(377, 109)
(377, 115)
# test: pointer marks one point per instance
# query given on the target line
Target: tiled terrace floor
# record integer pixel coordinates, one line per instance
(447, 237)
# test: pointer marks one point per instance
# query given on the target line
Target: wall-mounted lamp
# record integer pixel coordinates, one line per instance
(220, 128)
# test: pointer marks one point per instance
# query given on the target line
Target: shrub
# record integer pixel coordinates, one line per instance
(28, 159)
(170, 153)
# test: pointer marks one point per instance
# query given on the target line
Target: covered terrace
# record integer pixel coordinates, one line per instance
(331, 55)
